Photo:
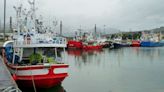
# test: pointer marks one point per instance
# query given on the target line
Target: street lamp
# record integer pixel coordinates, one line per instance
(4, 20)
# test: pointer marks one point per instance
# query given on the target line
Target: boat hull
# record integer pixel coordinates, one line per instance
(91, 47)
(151, 44)
(40, 76)
(135, 43)
(41, 83)
(106, 44)
(74, 44)
(118, 45)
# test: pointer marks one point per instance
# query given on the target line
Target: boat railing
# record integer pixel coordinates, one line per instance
(40, 41)
(11, 89)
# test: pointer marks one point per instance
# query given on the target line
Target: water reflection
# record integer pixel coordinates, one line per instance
(85, 57)
(118, 56)
(116, 70)
(58, 88)
(149, 53)
(78, 52)
(74, 52)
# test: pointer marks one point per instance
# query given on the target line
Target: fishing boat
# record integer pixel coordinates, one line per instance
(92, 42)
(74, 44)
(92, 46)
(30, 65)
(151, 40)
(118, 42)
(87, 45)
(135, 43)
(152, 44)
(118, 45)
(32, 57)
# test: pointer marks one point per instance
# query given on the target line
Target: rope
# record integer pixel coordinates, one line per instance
(11, 89)
(33, 82)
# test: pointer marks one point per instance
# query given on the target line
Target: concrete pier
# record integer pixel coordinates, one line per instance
(7, 84)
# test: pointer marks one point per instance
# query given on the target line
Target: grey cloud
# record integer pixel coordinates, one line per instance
(120, 14)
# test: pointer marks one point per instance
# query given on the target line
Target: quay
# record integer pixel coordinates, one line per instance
(7, 84)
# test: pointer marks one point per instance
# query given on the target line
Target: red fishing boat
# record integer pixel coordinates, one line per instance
(74, 44)
(92, 46)
(32, 56)
(135, 43)
(41, 73)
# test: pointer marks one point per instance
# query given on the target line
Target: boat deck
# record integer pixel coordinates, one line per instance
(6, 81)
(40, 45)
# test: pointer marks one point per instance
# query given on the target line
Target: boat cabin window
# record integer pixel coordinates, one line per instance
(40, 56)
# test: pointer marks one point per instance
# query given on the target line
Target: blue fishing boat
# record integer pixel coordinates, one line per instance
(152, 44)
(151, 40)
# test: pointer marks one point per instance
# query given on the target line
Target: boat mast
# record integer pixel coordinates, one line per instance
(80, 33)
(18, 16)
(61, 28)
(95, 31)
(160, 36)
(104, 30)
(33, 16)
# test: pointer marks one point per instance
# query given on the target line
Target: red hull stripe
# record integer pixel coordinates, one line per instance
(42, 77)
(33, 67)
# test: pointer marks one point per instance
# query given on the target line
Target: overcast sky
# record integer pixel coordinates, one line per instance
(120, 14)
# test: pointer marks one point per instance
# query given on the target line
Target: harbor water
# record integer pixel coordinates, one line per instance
(117, 70)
